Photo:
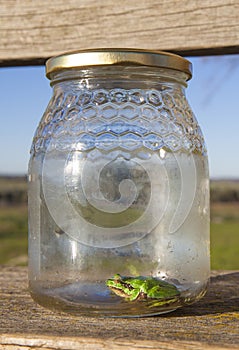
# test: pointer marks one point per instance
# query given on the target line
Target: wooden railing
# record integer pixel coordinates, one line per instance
(210, 324)
(30, 32)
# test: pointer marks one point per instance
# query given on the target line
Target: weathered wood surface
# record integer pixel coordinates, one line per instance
(31, 31)
(212, 323)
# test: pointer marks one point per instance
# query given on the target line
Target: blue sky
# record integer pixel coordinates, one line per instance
(213, 94)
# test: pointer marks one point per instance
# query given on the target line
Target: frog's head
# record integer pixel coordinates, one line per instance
(124, 286)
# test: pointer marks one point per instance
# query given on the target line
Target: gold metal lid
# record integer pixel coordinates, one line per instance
(102, 57)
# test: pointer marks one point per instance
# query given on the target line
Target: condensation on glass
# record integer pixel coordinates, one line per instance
(118, 187)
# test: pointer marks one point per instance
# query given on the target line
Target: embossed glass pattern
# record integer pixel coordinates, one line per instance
(118, 194)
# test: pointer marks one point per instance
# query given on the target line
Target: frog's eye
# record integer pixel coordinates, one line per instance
(117, 277)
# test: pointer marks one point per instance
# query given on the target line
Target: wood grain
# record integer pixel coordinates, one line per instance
(31, 31)
(212, 323)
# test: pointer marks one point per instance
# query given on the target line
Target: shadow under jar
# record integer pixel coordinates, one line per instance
(118, 187)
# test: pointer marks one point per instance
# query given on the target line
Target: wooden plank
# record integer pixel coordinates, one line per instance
(211, 324)
(31, 31)
(17, 342)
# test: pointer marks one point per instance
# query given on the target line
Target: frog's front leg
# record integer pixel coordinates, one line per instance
(134, 294)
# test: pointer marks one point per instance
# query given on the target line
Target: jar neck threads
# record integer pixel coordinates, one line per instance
(123, 76)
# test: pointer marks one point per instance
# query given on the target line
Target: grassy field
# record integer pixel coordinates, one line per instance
(13, 235)
(224, 223)
(225, 246)
(224, 231)
(225, 235)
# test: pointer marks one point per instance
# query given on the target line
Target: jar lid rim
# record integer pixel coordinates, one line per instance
(110, 56)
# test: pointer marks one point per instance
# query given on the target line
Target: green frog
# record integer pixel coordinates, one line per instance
(144, 288)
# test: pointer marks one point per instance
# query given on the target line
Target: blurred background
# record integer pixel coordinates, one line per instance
(213, 95)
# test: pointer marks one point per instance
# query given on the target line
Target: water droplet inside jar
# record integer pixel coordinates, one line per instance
(162, 153)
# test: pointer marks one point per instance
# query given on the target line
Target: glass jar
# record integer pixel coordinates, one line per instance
(118, 187)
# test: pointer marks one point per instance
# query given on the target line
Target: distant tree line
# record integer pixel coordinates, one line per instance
(224, 195)
(13, 191)
(13, 197)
